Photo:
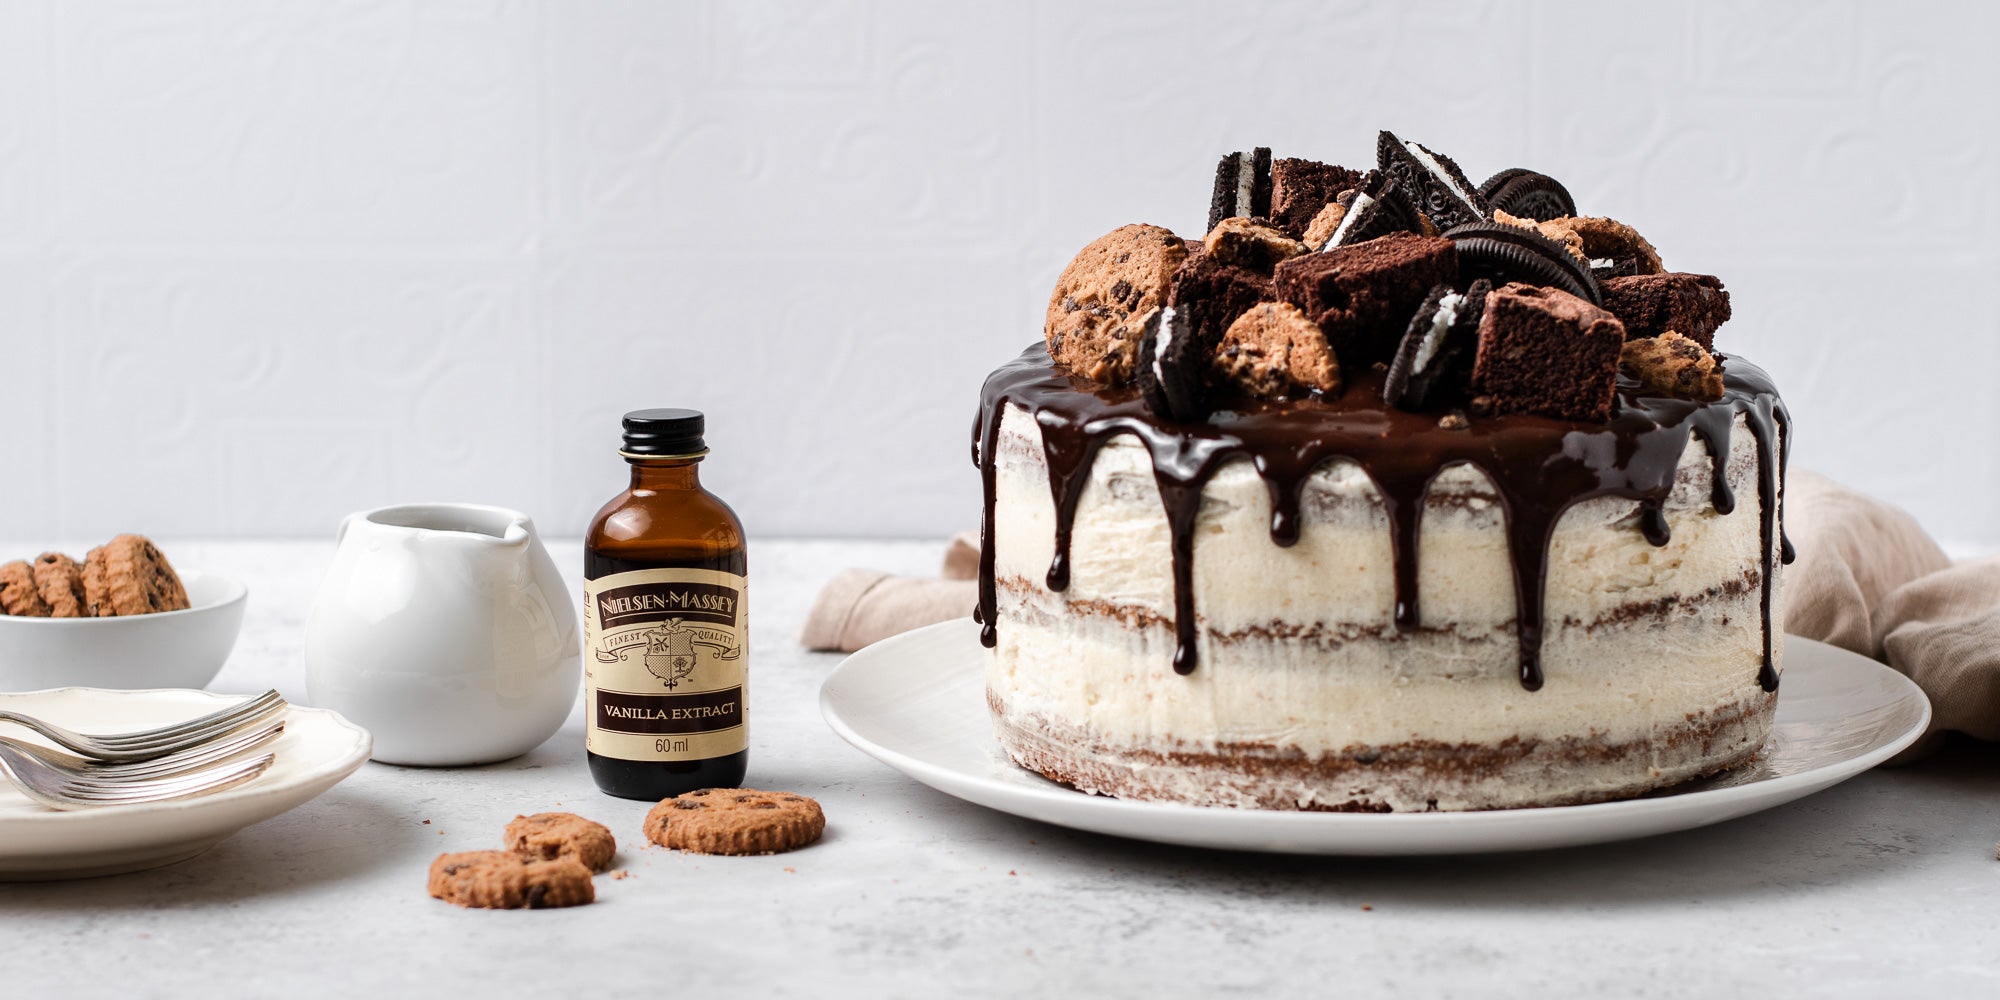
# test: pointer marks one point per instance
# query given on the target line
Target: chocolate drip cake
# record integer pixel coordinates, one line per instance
(1399, 513)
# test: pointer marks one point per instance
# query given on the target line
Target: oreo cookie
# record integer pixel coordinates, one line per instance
(1501, 253)
(1430, 182)
(1173, 368)
(1437, 350)
(1377, 209)
(1523, 192)
(1242, 186)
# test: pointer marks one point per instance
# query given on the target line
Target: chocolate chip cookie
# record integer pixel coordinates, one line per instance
(128, 576)
(1093, 319)
(547, 836)
(18, 593)
(735, 821)
(503, 880)
(60, 581)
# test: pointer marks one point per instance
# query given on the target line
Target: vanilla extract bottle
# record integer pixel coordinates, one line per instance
(665, 627)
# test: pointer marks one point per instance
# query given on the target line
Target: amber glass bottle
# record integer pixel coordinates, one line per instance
(666, 630)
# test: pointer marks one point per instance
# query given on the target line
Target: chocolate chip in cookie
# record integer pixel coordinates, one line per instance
(1275, 352)
(129, 576)
(547, 836)
(1094, 313)
(1673, 365)
(60, 581)
(1249, 243)
(18, 593)
(735, 821)
(503, 880)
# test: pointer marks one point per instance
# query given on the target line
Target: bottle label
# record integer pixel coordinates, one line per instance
(664, 666)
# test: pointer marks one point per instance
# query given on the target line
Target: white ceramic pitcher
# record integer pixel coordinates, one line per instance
(447, 632)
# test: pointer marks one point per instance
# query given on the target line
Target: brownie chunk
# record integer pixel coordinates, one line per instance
(1692, 305)
(1362, 294)
(1301, 188)
(1209, 294)
(1547, 352)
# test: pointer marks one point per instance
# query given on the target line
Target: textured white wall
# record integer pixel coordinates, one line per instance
(265, 263)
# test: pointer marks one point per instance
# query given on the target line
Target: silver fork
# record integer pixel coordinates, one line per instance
(89, 786)
(150, 743)
(243, 740)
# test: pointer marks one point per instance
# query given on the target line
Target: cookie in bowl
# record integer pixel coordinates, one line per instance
(121, 617)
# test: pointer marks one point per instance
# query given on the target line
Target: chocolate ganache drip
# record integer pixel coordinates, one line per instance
(1539, 467)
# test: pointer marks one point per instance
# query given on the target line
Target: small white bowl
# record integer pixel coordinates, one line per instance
(168, 649)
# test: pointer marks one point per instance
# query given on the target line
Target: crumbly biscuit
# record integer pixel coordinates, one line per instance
(1093, 318)
(18, 593)
(1556, 231)
(60, 581)
(502, 880)
(128, 576)
(1249, 243)
(735, 821)
(1674, 365)
(1609, 239)
(548, 836)
(1273, 351)
(1325, 224)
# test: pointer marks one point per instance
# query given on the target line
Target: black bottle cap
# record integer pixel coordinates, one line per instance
(664, 433)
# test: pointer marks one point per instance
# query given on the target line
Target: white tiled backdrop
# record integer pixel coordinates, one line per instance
(264, 263)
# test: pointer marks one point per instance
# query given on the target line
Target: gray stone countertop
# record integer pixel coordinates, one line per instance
(1885, 885)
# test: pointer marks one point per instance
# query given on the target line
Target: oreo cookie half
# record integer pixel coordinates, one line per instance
(1501, 253)
(1377, 209)
(1242, 186)
(1173, 369)
(1431, 182)
(1438, 348)
(1523, 192)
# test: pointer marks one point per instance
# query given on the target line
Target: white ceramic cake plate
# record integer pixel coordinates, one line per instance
(917, 703)
(317, 749)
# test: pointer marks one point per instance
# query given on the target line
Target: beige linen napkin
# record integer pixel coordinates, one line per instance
(1867, 578)
(860, 606)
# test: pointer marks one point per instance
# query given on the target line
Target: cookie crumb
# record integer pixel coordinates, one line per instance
(1453, 421)
(1481, 406)
(1367, 908)
(427, 822)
